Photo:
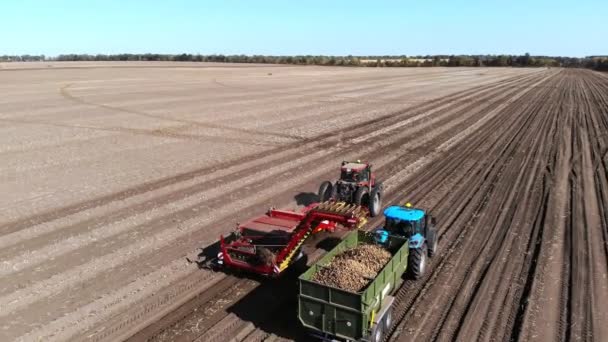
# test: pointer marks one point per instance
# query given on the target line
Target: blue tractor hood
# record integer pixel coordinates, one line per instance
(396, 212)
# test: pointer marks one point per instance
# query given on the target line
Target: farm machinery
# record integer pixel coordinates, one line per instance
(270, 243)
(357, 185)
(332, 313)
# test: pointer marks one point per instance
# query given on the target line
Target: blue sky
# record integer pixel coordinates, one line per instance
(573, 28)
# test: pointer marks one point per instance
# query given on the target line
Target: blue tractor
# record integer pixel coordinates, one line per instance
(415, 225)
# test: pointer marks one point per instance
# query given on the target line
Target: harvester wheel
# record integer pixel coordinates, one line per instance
(375, 202)
(418, 261)
(325, 191)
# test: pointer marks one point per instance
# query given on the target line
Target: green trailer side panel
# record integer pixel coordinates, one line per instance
(347, 314)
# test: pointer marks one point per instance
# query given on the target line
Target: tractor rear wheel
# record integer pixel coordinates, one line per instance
(325, 191)
(375, 203)
(362, 197)
(417, 261)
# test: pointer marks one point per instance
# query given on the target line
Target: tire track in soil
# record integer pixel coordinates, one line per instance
(488, 194)
(435, 172)
(469, 220)
(95, 223)
(325, 140)
(406, 164)
(482, 299)
(431, 187)
(556, 325)
(284, 159)
(435, 185)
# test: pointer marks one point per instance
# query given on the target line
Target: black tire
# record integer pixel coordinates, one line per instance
(300, 264)
(378, 333)
(375, 202)
(359, 195)
(417, 261)
(387, 320)
(334, 193)
(432, 241)
(325, 191)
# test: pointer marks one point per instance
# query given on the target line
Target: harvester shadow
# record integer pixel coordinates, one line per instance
(306, 198)
(206, 256)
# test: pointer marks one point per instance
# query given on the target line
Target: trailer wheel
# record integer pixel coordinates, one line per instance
(378, 333)
(325, 191)
(388, 319)
(417, 261)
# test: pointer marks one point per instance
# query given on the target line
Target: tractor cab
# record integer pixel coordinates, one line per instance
(355, 172)
(357, 185)
(404, 221)
(412, 223)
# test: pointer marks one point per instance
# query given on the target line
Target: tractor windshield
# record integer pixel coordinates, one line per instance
(398, 227)
(405, 228)
(349, 176)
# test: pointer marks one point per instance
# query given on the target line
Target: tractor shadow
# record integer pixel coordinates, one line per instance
(306, 198)
(272, 306)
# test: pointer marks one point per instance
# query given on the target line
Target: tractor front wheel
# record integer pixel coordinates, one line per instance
(325, 191)
(417, 261)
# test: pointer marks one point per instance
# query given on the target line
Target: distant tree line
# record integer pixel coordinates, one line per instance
(22, 58)
(526, 60)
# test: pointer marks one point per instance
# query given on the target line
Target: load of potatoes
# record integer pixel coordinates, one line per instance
(353, 269)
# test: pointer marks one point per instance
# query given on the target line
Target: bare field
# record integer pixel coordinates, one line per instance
(111, 173)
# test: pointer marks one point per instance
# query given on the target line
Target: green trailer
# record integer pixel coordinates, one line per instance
(330, 313)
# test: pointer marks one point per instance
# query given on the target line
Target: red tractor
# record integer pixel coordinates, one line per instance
(357, 185)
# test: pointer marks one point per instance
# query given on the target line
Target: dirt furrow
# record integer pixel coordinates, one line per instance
(294, 149)
(406, 172)
(480, 217)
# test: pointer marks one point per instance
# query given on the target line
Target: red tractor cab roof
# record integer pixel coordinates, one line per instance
(354, 166)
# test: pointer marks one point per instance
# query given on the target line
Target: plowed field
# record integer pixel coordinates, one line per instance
(112, 173)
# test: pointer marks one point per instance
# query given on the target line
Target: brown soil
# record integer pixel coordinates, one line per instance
(111, 175)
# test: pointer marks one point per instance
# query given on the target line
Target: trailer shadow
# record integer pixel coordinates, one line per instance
(272, 306)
